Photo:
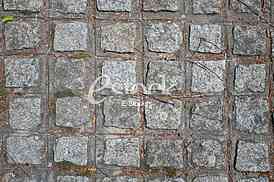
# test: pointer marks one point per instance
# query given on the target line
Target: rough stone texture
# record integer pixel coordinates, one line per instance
(206, 6)
(247, 6)
(71, 149)
(207, 115)
(120, 74)
(22, 72)
(206, 38)
(161, 5)
(211, 179)
(72, 36)
(250, 78)
(114, 5)
(252, 157)
(72, 112)
(72, 179)
(272, 36)
(208, 76)
(122, 152)
(254, 179)
(23, 5)
(128, 116)
(170, 75)
(249, 40)
(70, 6)
(208, 153)
(163, 37)
(24, 113)
(161, 115)
(119, 37)
(251, 114)
(119, 179)
(11, 177)
(25, 150)
(165, 153)
(166, 179)
(22, 35)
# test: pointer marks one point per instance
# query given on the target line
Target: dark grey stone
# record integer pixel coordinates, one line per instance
(122, 152)
(160, 5)
(249, 40)
(165, 153)
(114, 5)
(71, 36)
(25, 113)
(70, 6)
(246, 6)
(163, 37)
(23, 5)
(72, 179)
(206, 38)
(207, 6)
(22, 72)
(211, 179)
(252, 157)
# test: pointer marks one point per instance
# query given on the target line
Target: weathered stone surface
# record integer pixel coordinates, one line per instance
(211, 179)
(160, 5)
(165, 153)
(11, 177)
(165, 76)
(207, 115)
(165, 179)
(162, 115)
(25, 113)
(251, 114)
(120, 74)
(250, 78)
(25, 150)
(70, 6)
(206, 38)
(71, 149)
(127, 108)
(71, 36)
(253, 179)
(118, 37)
(72, 112)
(23, 5)
(119, 179)
(249, 40)
(206, 6)
(114, 5)
(272, 36)
(72, 179)
(22, 35)
(163, 37)
(208, 76)
(122, 152)
(252, 157)
(22, 72)
(247, 6)
(207, 153)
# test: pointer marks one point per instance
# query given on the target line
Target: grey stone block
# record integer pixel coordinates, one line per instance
(25, 149)
(119, 179)
(206, 38)
(249, 40)
(11, 177)
(70, 6)
(165, 179)
(250, 78)
(247, 6)
(122, 152)
(206, 6)
(72, 179)
(22, 35)
(165, 153)
(161, 115)
(251, 114)
(71, 36)
(252, 157)
(23, 5)
(25, 113)
(114, 5)
(72, 112)
(119, 37)
(253, 179)
(118, 112)
(22, 72)
(160, 5)
(211, 179)
(208, 76)
(71, 149)
(163, 37)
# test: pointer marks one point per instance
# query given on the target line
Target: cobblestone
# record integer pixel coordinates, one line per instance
(253, 179)
(211, 178)
(113, 5)
(206, 6)
(23, 5)
(70, 6)
(119, 179)
(247, 6)
(161, 5)
(72, 179)
(166, 179)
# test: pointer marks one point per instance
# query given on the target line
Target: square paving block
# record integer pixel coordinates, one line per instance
(161, 5)
(114, 5)
(23, 5)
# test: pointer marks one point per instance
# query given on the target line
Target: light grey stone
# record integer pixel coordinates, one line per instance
(25, 150)
(252, 157)
(25, 113)
(71, 149)
(23, 5)
(165, 179)
(247, 6)
(119, 37)
(119, 179)
(253, 179)
(70, 6)
(22, 72)
(11, 177)
(71, 36)
(114, 5)
(211, 179)
(72, 179)
(207, 6)
(160, 5)
(122, 152)
(163, 37)
(206, 38)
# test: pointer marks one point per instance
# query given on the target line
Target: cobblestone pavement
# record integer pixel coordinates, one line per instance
(215, 124)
